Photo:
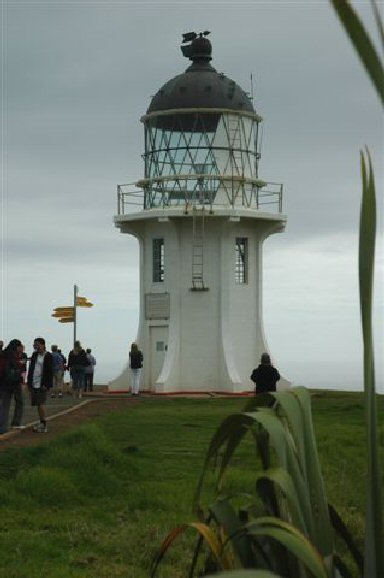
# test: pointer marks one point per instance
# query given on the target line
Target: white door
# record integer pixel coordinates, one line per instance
(159, 346)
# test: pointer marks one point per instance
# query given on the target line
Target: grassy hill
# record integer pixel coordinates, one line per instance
(98, 500)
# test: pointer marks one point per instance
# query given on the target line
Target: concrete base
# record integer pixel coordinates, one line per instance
(122, 385)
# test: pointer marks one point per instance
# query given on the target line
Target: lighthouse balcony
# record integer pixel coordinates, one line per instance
(202, 191)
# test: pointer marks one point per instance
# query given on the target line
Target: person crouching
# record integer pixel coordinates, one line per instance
(265, 376)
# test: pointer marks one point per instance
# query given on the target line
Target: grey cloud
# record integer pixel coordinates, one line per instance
(77, 80)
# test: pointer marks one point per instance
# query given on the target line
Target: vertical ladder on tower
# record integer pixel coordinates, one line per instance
(234, 137)
(198, 216)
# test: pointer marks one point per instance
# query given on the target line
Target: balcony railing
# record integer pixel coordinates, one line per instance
(266, 197)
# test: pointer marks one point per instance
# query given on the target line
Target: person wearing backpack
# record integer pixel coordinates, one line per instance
(58, 372)
(77, 362)
(11, 380)
(135, 363)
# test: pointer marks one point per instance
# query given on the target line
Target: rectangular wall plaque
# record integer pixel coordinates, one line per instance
(157, 306)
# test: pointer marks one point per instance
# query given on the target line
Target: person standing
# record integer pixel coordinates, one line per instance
(11, 384)
(135, 363)
(18, 393)
(265, 376)
(24, 363)
(40, 380)
(77, 362)
(62, 357)
(65, 368)
(58, 372)
(89, 370)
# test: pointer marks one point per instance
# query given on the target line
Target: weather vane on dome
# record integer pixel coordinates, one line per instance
(196, 41)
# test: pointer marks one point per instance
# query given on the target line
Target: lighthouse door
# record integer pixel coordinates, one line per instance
(159, 346)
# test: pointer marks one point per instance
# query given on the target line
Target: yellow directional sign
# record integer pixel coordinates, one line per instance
(83, 302)
(63, 311)
(67, 313)
(64, 314)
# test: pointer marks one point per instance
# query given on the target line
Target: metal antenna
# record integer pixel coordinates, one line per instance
(251, 87)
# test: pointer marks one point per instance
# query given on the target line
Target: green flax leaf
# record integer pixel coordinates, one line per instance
(293, 540)
(228, 435)
(374, 535)
(362, 44)
(227, 518)
(323, 530)
(288, 459)
(379, 22)
(282, 481)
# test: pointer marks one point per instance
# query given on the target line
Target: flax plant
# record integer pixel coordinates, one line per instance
(286, 526)
(374, 532)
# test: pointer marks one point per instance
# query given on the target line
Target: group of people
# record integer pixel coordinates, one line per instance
(46, 372)
(42, 372)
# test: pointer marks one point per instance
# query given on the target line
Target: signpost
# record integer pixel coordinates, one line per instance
(67, 313)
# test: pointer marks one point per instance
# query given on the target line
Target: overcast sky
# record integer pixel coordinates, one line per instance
(77, 76)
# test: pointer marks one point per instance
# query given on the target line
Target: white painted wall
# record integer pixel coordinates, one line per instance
(214, 338)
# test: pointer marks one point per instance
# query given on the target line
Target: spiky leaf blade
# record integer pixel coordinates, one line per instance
(287, 458)
(281, 479)
(233, 427)
(295, 542)
(374, 535)
(323, 537)
(227, 518)
(362, 44)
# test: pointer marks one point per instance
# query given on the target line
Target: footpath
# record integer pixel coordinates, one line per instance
(55, 406)
(63, 414)
(66, 412)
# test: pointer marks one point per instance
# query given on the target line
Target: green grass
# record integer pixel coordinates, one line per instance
(98, 501)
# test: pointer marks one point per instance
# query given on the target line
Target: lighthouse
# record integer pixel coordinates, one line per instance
(200, 215)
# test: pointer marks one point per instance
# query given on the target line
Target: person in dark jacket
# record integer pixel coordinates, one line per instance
(77, 362)
(136, 364)
(40, 380)
(265, 376)
(11, 384)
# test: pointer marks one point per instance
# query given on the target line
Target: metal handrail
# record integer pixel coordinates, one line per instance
(128, 200)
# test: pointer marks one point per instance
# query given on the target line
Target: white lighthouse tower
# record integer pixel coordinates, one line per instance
(200, 214)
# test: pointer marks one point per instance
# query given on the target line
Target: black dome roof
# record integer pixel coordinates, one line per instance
(200, 86)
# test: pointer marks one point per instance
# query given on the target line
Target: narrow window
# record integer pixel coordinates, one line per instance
(241, 260)
(158, 260)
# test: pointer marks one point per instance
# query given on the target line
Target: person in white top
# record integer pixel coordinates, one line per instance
(40, 380)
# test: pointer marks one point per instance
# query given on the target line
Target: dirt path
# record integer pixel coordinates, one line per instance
(63, 423)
